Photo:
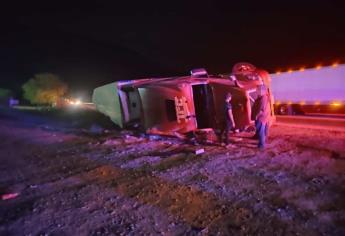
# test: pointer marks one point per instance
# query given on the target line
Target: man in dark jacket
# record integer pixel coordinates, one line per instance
(261, 113)
(229, 119)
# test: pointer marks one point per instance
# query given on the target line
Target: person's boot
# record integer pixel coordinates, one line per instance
(227, 139)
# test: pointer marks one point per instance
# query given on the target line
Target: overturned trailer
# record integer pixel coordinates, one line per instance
(182, 104)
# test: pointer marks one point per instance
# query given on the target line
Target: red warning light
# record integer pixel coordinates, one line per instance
(302, 103)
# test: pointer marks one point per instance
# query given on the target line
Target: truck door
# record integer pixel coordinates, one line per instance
(131, 104)
(204, 106)
(240, 105)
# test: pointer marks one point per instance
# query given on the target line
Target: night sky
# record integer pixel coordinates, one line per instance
(90, 45)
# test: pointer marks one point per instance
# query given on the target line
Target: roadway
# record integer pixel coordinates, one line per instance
(313, 122)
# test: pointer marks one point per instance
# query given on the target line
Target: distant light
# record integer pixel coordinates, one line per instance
(302, 103)
(317, 103)
(289, 102)
(289, 70)
(302, 69)
(75, 102)
(335, 64)
(318, 67)
(277, 102)
(336, 104)
(278, 72)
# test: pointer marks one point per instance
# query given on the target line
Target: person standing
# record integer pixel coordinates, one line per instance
(261, 114)
(229, 119)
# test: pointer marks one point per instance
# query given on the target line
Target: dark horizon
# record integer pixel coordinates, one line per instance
(91, 45)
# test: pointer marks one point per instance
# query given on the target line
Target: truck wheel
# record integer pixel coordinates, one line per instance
(285, 110)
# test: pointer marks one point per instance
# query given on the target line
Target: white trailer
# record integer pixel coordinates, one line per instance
(316, 90)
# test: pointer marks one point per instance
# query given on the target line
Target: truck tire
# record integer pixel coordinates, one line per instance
(285, 110)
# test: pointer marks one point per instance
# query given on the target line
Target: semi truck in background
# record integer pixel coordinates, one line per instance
(315, 91)
(182, 104)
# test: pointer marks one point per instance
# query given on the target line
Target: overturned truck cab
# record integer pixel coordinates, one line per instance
(182, 104)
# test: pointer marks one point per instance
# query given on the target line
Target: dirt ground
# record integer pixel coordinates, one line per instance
(75, 175)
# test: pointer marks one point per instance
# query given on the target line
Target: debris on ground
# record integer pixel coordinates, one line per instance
(199, 151)
(8, 196)
(124, 183)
